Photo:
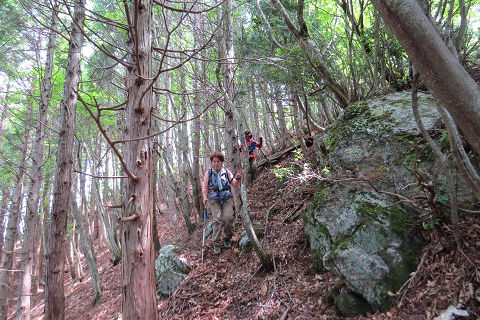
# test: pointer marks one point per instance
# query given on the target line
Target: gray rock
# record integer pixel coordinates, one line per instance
(362, 236)
(348, 304)
(244, 243)
(169, 270)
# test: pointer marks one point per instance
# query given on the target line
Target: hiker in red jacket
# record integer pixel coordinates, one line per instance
(251, 146)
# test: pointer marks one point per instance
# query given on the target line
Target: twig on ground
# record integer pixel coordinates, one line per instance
(284, 316)
(293, 212)
(250, 278)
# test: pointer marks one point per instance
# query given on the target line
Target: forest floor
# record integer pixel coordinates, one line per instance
(233, 286)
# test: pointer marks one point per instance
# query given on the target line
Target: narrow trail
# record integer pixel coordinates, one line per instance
(233, 286)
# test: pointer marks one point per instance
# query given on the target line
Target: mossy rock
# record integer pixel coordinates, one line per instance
(361, 235)
(169, 270)
(244, 243)
(350, 304)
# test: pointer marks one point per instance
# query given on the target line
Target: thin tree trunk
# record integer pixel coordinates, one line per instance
(87, 251)
(3, 212)
(40, 249)
(11, 233)
(70, 256)
(185, 208)
(281, 117)
(197, 109)
(298, 129)
(4, 116)
(156, 204)
(31, 220)
(108, 230)
(54, 297)
(231, 115)
(138, 268)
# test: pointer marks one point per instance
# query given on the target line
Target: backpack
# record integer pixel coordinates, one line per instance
(212, 183)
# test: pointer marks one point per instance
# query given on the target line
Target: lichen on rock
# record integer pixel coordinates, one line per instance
(170, 270)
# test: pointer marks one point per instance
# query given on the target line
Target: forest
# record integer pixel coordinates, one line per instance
(109, 111)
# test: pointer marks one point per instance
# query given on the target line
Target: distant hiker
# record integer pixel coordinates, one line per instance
(216, 190)
(251, 146)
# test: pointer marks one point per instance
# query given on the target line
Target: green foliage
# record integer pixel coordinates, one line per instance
(283, 172)
(288, 172)
(430, 225)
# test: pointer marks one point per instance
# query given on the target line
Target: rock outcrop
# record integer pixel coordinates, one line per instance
(357, 228)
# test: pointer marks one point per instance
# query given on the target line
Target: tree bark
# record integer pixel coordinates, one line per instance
(440, 69)
(138, 268)
(54, 297)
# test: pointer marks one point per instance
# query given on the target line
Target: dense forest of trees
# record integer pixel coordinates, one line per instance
(110, 108)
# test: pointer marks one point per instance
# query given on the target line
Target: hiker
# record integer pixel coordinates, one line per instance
(252, 163)
(216, 190)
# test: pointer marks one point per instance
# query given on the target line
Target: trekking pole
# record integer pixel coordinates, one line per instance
(204, 226)
(268, 161)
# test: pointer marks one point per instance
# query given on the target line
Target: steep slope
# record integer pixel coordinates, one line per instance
(233, 286)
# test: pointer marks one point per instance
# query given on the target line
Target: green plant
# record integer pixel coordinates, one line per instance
(298, 155)
(283, 172)
(431, 224)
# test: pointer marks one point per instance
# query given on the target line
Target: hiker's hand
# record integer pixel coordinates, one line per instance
(261, 139)
(238, 176)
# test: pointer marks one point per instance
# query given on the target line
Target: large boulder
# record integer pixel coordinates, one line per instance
(169, 270)
(359, 232)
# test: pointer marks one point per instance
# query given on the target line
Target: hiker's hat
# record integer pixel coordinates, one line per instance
(248, 133)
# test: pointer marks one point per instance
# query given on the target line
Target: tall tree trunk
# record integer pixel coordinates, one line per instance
(31, 220)
(297, 122)
(54, 297)
(281, 116)
(197, 109)
(4, 116)
(440, 69)
(227, 54)
(156, 204)
(3, 212)
(231, 116)
(11, 234)
(70, 256)
(40, 240)
(138, 268)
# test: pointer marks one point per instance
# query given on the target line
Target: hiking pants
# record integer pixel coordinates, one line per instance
(222, 216)
(252, 170)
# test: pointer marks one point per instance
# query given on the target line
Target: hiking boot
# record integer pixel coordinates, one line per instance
(227, 244)
(216, 249)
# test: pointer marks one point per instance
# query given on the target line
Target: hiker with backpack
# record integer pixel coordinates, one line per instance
(217, 184)
(252, 163)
